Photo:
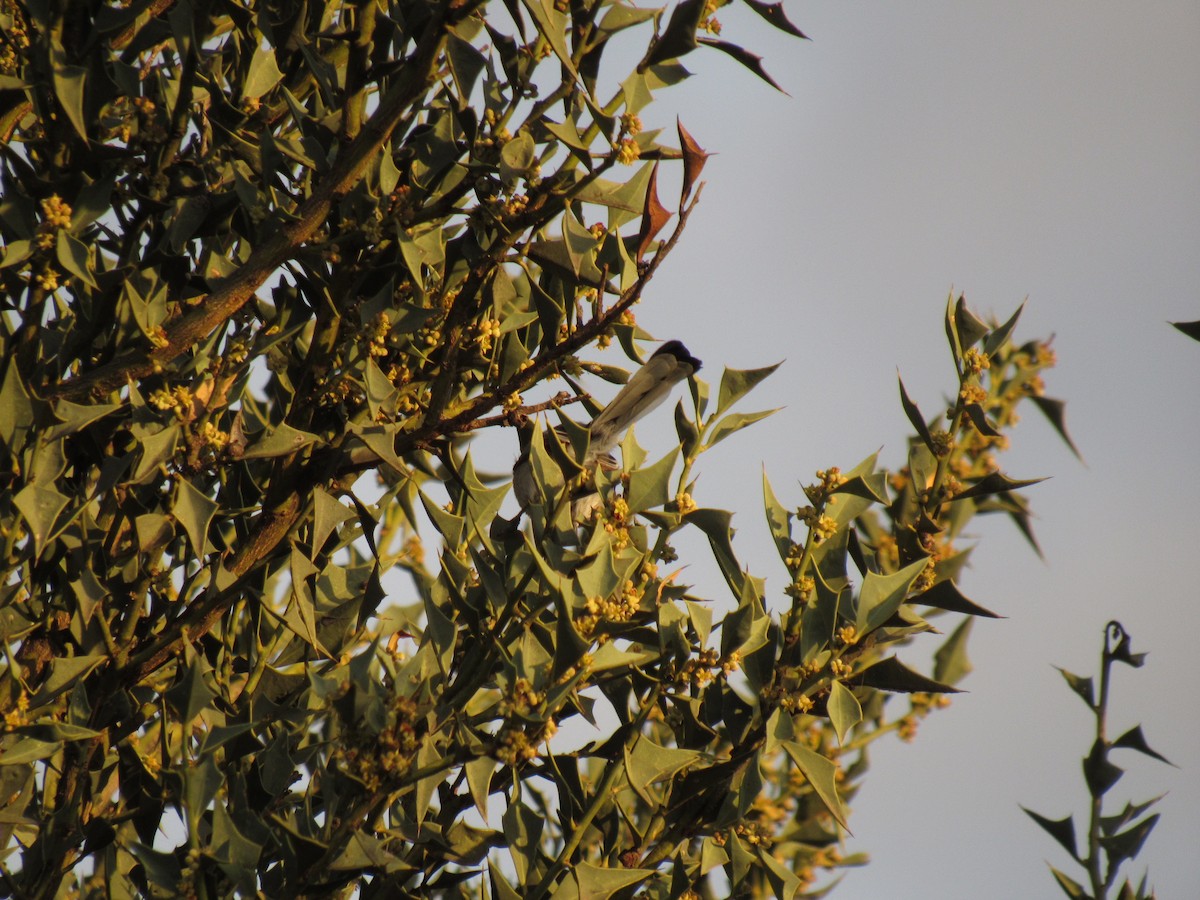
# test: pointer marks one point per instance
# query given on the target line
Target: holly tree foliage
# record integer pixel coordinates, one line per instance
(267, 269)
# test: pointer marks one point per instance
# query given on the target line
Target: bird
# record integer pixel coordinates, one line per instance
(646, 389)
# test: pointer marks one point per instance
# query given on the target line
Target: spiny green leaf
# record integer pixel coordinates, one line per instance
(737, 383)
(844, 709)
(194, 511)
(191, 695)
(40, 506)
(279, 441)
(648, 763)
(778, 520)
(75, 257)
(821, 774)
(650, 487)
(597, 883)
(882, 595)
(736, 422)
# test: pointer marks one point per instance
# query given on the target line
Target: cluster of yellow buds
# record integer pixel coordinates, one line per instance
(178, 399)
(628, 151)
(56, 215)
(975, 361)
(19, 714)
(684, 503)
(522, 699)
(754, 834)
(709, 21)
(828, 481)
(488, 331)
(821, 526)
(801, 588)
(213, 437)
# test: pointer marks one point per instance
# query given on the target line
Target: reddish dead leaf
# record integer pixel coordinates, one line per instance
(694, 158)
(654, 216)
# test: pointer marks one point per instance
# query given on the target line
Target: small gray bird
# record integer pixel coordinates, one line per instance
(646, 389)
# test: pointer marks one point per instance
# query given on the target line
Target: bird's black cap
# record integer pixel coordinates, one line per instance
(680, 352)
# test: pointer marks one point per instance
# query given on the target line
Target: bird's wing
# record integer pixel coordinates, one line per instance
(646, 389)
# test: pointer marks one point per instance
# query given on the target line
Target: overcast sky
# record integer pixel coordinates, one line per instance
(1040, 150)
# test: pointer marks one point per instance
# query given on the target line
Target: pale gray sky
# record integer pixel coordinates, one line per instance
(1048, 150)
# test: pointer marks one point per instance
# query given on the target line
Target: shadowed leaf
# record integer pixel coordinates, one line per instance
(773, 13)
(1062, 830)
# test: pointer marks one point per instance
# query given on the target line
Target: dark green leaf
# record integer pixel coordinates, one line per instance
(679, 37)
(995, 483)
(15, 749)
(946, 595)
(980, 420)
(1098, 772)
(598, 883)
(1128, 843)
(1071, 888)
(893, 675)
(996, 338)
(915, 418)
(40, 506)
(1133, 739)
(191, 695)
(1191, 329)
(1062, 830)
(773, 13)
(715, 523)
(1055, 411)
(1082, 686)
(751, 61)
(1111, 824)
(75, 257)
(970, 329)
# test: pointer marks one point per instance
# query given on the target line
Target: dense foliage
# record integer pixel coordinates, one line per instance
(267, 268)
